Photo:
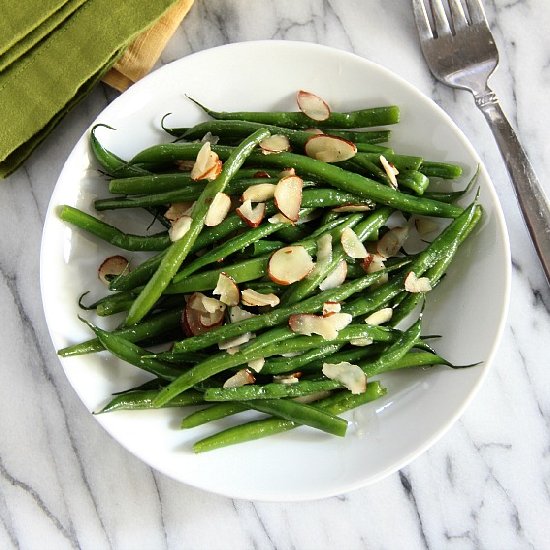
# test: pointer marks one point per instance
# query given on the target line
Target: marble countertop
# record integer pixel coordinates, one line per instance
(65, 483)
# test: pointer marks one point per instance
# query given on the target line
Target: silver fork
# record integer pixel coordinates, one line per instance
(460, 52)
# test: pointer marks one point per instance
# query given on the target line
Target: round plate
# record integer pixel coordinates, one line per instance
(468, 309)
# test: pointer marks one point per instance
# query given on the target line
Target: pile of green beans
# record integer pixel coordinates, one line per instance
(289, 386)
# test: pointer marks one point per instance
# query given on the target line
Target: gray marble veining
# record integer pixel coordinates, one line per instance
(64, 483)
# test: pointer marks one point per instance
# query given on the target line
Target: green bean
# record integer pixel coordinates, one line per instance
(153, 326)
(414, 180)
(111, 234)
(335, 404)
(401, 162)
(372, 148)
(137, 276)
(143, 399)
(453, 196)
(179, 250)
(440, 170)
(210, 414)
(263, 247)
(364, 118)
(265, 287)
(279, 365)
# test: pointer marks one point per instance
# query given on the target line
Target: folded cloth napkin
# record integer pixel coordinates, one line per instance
(70, 46)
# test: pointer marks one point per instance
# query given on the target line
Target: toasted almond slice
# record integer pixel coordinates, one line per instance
(425, 226)
(289, 264)
(213, 140)
(257, 364)
(203, 162)
(417, 284)
(292, 378)
(212, 319)
(391, 170)
(353, 208)
(380, 317)
(351, 244)
(288, 196)
(280, 218)
(373, 263)
(316, 131)
(312, 105)
(252, 298)
(276, 143)
(208, 304)
(260, 192)
(327, 327)
(177, 210)
(336, 277)
(218, 209)
(330, 308)
(227, 290)
(287, 172)
(361, 342)
(235, 342)
(179, 228)
(261, 174)
(240, 378)
(349, 375)
(214, 170)
(390, 244)
(312, 397)
(324, 254)
(195, 318)
(112, 267)
(251, 216)
(329, 148)
(237, 314)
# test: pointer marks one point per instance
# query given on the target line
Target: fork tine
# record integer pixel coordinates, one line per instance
(442, 26)
(457, 15)
(477, 13)
(422, 21)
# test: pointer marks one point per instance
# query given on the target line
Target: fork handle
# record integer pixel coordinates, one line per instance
(532, 200)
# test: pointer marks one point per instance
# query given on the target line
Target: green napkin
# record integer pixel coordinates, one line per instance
(39, 88)
(21, 47)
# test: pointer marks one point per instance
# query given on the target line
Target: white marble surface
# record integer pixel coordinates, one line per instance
(64, 483)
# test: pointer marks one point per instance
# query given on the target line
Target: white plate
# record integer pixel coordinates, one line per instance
(468, 308)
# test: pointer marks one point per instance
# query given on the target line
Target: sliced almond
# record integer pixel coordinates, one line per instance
(207, 164)
(252, 298)
(177, 210)
(261, 174)
(287, 172)
(312, 397)
(235, 342)
(260, 192)
(213, 140)
(312, 106)
(252, 216)
(330, 308)
(425, 226)
(227, 290)
(324, 254)
(292, 378)
(329, 148)
(417, 284)
(390, 244)
(373, 263)
(349, 375)
(361, 342)
(289, 264)
(327, 327)
(207, 304)
(112, 267)
(316, 131)
(336, 277)
(276, 143)
(351, 244)
(218, 210)
(237, 314)
(288, 196)
(280, 218)
(257, 364)
(353, 208)
(179, 228)
(391, 171)
(380, 317)
(196, 318)
(240, 378)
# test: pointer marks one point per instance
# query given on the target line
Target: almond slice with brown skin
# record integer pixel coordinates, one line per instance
(353, 208)
(380, 317)
(391, 171)
(218, 210)
(240, 378)
(196, 319)
(330, 308)
(390, 243)
(252, 216)
(112, 267)
(329, 148)
(276, 143)
(327, 327)
(227, 290)
(373, 263)
(351, 244)
(288, 197)
(336, 277)
(289, 264)
(179, 228)
(177, 210)
(203, 163)
(250, 297)
(260, 192)
(287, 379)
(312, 105)
(416, 284)
(287, 172)
(349, 375)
